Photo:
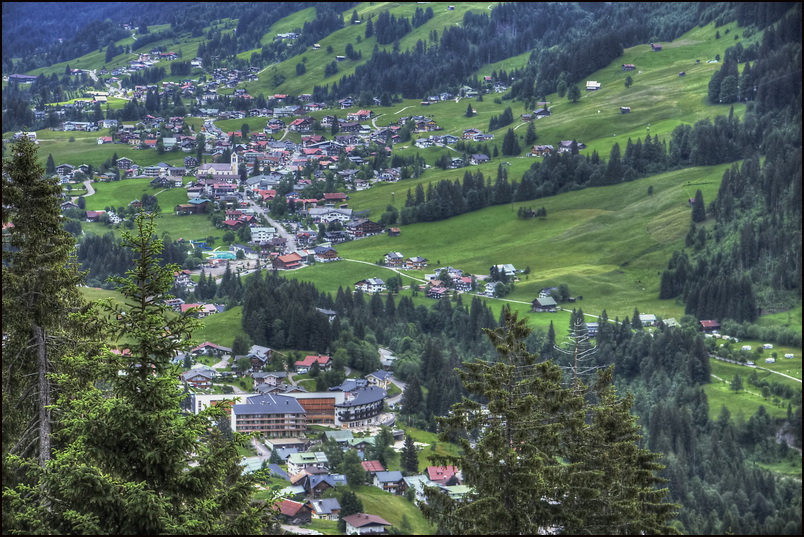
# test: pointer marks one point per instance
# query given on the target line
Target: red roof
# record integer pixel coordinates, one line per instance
(335, 196)
(372, 466)
(290, 508)
(710, 324)
(441, 474)
(310, 360)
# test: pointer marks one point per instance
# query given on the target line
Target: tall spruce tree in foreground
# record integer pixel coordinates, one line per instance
(40, 283)
(132, 463)
(550, 456)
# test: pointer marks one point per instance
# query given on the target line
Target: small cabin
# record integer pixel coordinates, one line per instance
(625, 109)
(655, 47)
(682, 73)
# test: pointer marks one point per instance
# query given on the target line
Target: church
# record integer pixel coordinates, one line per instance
(221, 172)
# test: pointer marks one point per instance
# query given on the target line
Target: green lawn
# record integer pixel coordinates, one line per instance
(392, 508)
(743, 404)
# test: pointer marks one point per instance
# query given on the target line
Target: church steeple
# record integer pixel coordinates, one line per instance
(235, 164)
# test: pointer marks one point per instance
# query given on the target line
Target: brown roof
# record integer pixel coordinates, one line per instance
(362, 519)
(372, 466)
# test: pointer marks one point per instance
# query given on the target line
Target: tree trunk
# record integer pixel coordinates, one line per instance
(44, 395)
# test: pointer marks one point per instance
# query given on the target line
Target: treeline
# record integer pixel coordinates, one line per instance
(104, 255)
(707, 461)
(753, 249)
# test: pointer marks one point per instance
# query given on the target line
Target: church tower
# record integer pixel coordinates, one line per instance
(235, 164)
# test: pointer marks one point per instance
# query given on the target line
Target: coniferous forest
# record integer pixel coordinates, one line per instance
(618, 436)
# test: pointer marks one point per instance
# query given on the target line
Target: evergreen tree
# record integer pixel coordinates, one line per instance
(40, 283)
(698, 209)
(530, 134)
(412, 398)
(350, 505)
(409, 459)
(132, 463)
(535, 433)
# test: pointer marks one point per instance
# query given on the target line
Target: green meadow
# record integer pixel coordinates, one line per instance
(608, 244)
(744, 404)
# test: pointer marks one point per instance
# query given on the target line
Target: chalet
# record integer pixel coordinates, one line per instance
(210, 349)
(394, 259)
(371, 285)
(544, 304)
(437, 292)
(442, 475)
(325, 508)
(362, 524)
(629, 67)
(287, 262)
(390, 482)
(197, 379)
(299, 462)
(565, 146)
(415, 263)
(324, 254)
(379, 378)
(363, 228)
(540, 113)
(541, 150)
(304, 365)
(655, 47)
(479, 158)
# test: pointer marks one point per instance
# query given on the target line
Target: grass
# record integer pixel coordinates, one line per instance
(393, 508)
(743, 404)
(605, 243)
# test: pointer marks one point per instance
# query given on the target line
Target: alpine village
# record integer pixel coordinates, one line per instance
(408, 268)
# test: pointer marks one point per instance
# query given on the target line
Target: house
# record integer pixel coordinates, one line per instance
(341, 437)
(325, 254)
(394, 259)
(287, 262)
(540, 113)
(629, 67)
(371, 285)
(390, 482)
(625, 109)
(592, 85)
(443, 475)
(379, 378)
(363, 524)
(415, 263)
(647, 319)
(565, 146)
(709, 326)
(269, 378)
(544, 304)
(294, 512)
(302, 366)
(197, 378)
(437, 292)
(655, 47)
(508, 269)
(372, 466)
(479, 158)
(210, 349)
(325, 508)
(298, 462)
(541, 150)
(682, 73)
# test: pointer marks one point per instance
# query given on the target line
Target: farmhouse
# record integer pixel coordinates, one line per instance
(544, 304)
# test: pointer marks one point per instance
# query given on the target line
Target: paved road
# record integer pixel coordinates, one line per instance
(389, 268)
(280, 230)
(90, 190)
